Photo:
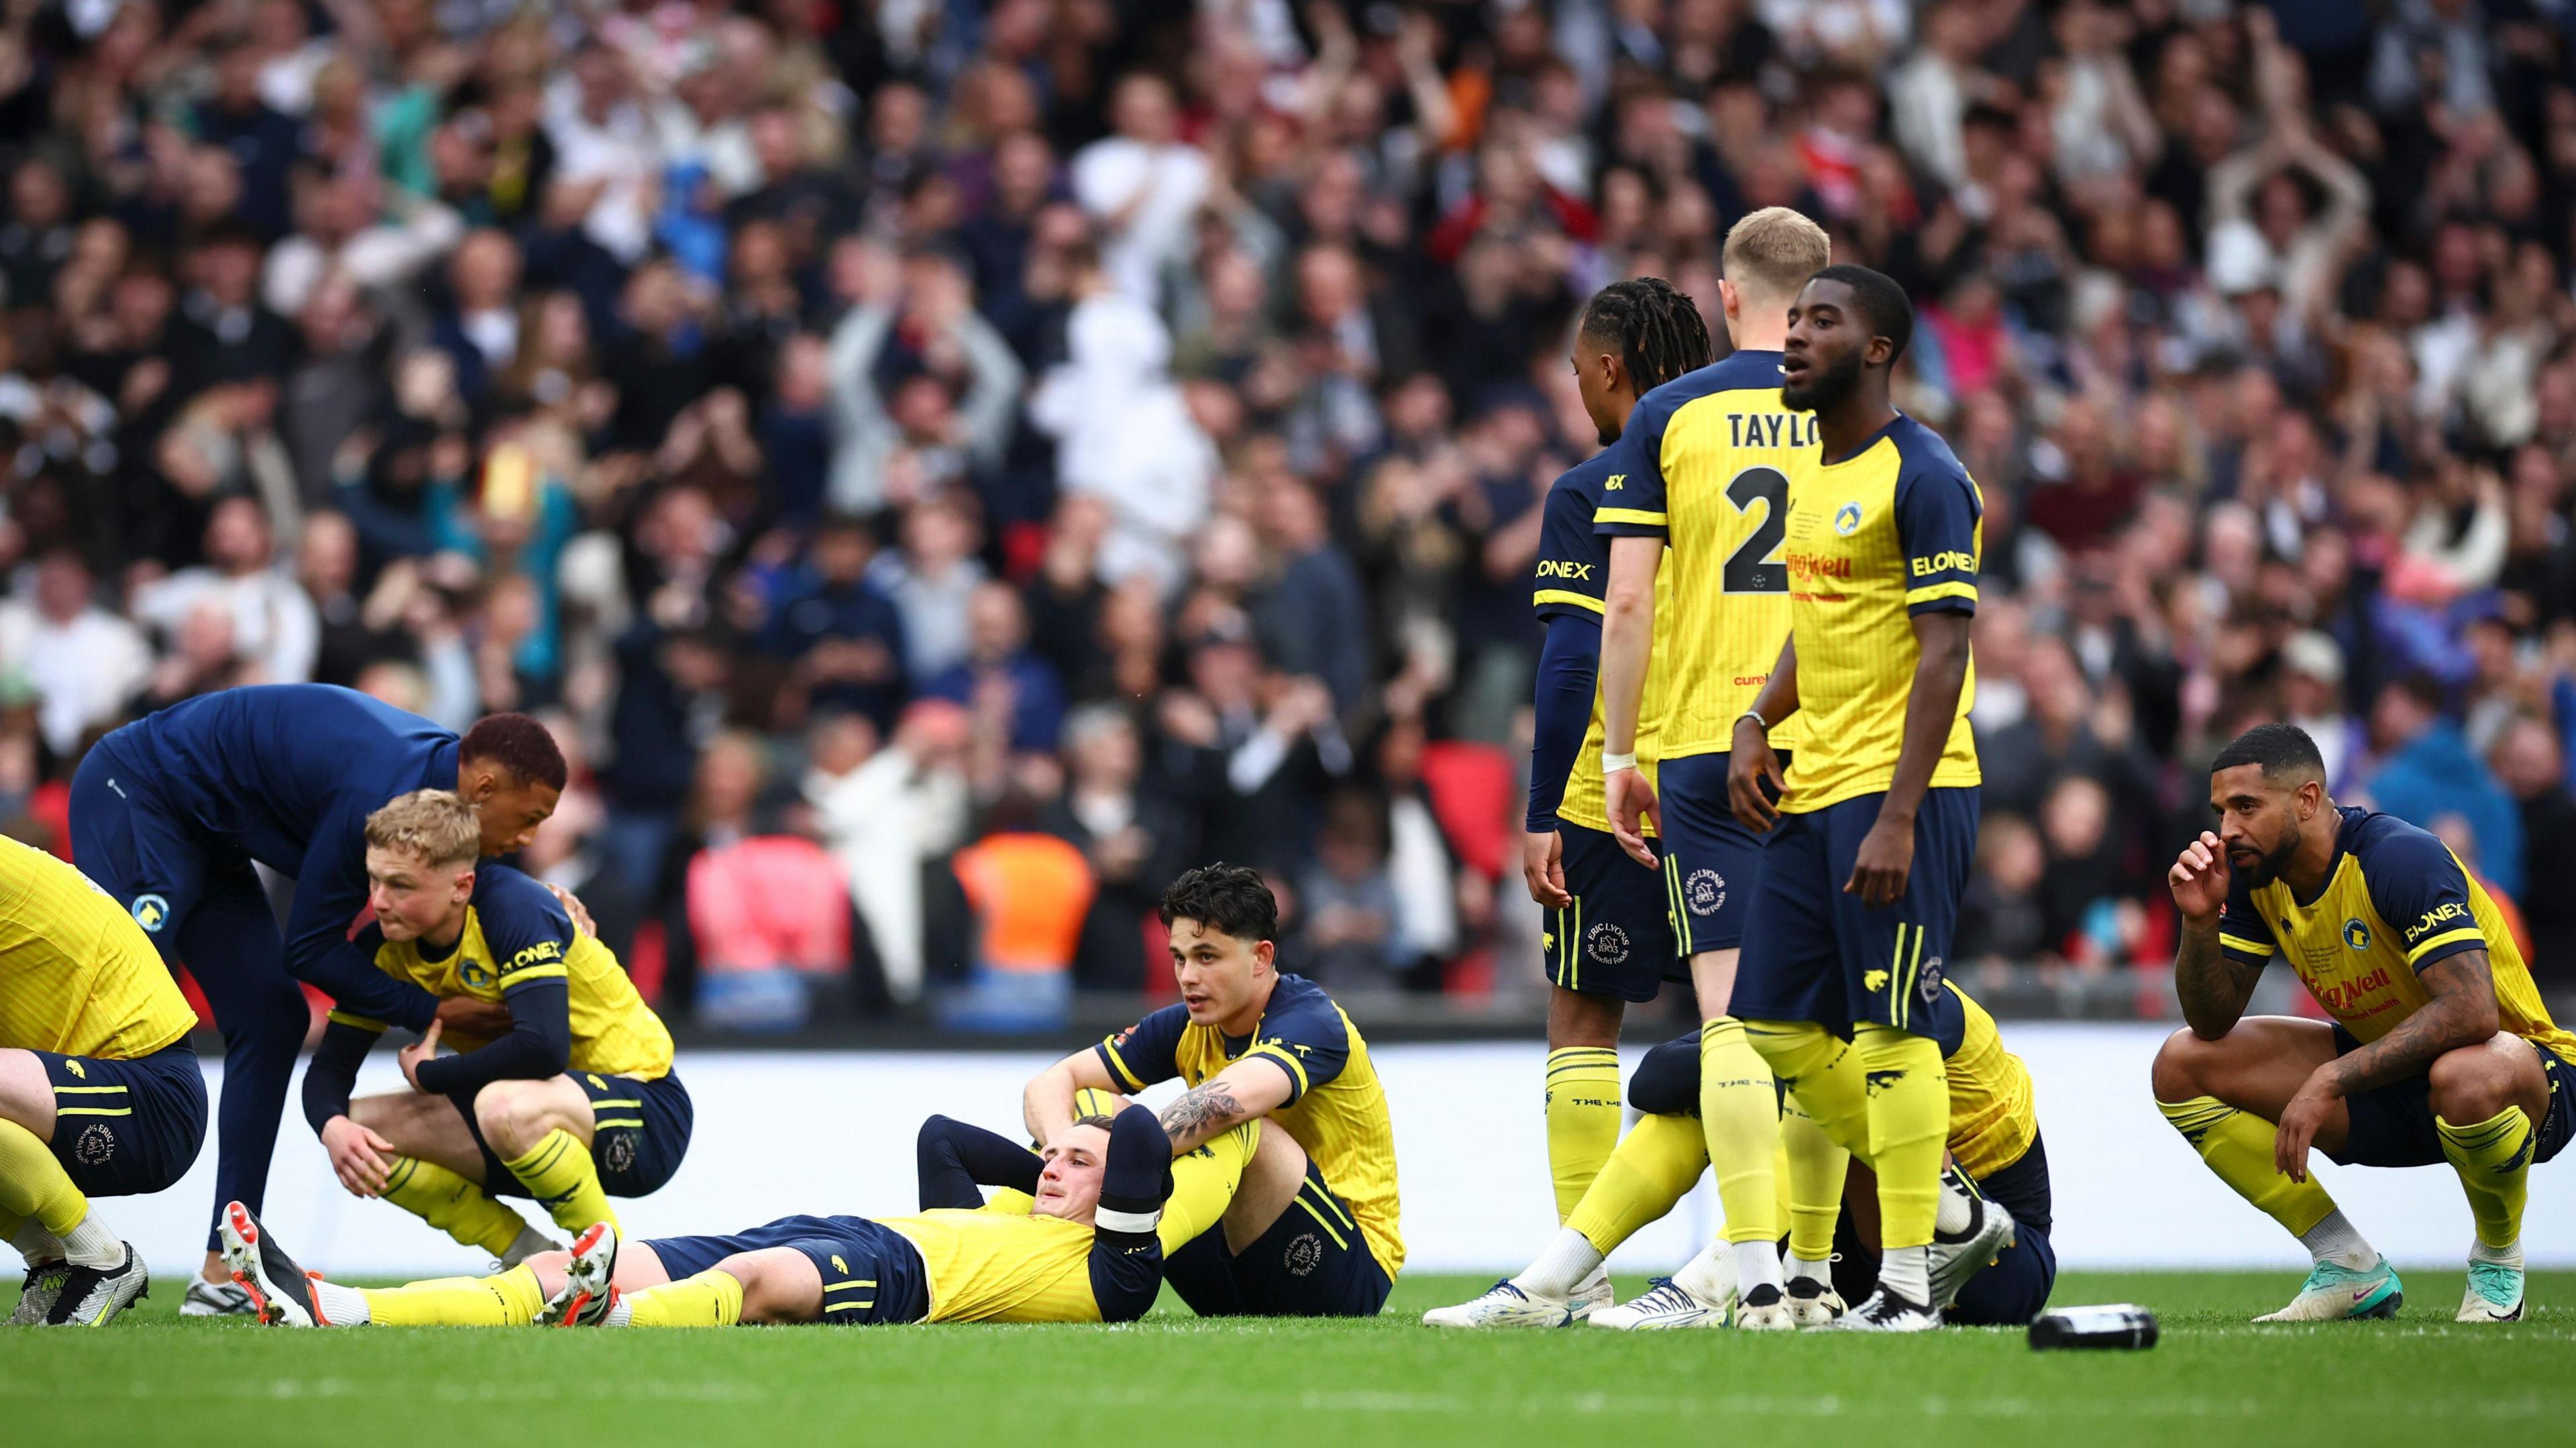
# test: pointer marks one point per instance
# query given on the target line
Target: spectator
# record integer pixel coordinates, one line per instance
(939, 425)
(768, 917)
(2531, 767)
(83, 662)
(841, 638)
(1347, 900)
(1136, 838)
(1142, 186)
(886, 814)
(930, 579)
(268, 620)
(1028, 892)
(2002, 922)
(2421, 768)
(1314, 615)
(999, 668)
(2312, 697)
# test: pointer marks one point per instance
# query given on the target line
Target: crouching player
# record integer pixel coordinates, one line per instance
(1991, 1262)
(573, 1104)
(2440, 1048)
(99, 1091)
(1085, 1245)
(1254, 1044)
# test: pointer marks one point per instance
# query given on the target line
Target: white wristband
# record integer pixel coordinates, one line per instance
(1612, 763)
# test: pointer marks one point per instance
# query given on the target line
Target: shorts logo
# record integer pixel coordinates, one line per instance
(1304, 1255)
(620, 1154)
(595, 1083)
(1876, 980)
(1847, 518)
(151, 912)
(1606, 943)
(1930, 985)
(838, 1265)
(1705, 891)
(76, 1068)
(2356, 934)
(97, 1143)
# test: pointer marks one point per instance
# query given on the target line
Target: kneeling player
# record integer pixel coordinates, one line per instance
(573, 1104)
(100, 1094)
(1085, 1245)
(1253, 1044)
(2441, 1049)
(1991, 1262)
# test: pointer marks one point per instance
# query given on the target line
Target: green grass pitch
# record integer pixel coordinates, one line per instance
(1175, 1379)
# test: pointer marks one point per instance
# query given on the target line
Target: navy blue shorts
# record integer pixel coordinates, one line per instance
(1617, 937)
(641, 1134)
(1814, 953)
(872, 1274)
(2392, 1125)
(1312, 1262)
(139, 851)
(1709, 858)
(125, 1128)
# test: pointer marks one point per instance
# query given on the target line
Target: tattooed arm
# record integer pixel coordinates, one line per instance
(1254, 1086)
(2213, 988)
(2461, 1013)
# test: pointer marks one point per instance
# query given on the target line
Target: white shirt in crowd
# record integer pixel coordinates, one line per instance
(1164, 184)
(274, 623)
(83, 671)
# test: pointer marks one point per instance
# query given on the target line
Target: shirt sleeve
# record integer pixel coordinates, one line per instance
(329, 892)
(2243, 935)
(1570, 577)
(1632, 494)
(526, 927)
(1569, 667)
(956, 1161)
(1937, 509)
(1308, 1039)
(2416, 884)
(1147, 1051)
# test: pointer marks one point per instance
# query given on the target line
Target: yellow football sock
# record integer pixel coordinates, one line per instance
(452, 1204)
(1654, 1165)
(1823, 1076)
(558, 1172)
(1812, 1171)
(1909, 1121)
(713, 1298)
(33, 1184)
(511, 1299)
(1739, 1116)
(2493, 1159)
(1203, 1185)
(2237, 1146)
(1582, 1119)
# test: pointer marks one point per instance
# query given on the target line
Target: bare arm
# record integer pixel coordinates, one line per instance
(2462, 1012)
(1237, 1094)
(1931, 705)
(1627, 637)
(1046, 1107)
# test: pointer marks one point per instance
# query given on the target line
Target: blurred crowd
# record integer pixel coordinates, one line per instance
(942, 466)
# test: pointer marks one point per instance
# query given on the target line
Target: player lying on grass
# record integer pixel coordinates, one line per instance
(1076, 1236)
(99, 1090)
(2440, 1050)
(1991, 1261)
(573, 1103)
(1254, 1044)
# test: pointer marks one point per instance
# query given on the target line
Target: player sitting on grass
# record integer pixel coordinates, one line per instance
(1085, 1244)
(574, 1103)
(1991, 1260)
(2440, 1048)
(99, 1089)
(1253, 1044)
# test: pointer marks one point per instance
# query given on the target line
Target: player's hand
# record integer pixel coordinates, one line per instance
(1543, 866)
(582, 924)
(2199, 879)
(1750, 762)
(1630, 799)
(1885, 861)
(2298, 1127)
(473, 1017)
(359, 1157)
(418, 1051)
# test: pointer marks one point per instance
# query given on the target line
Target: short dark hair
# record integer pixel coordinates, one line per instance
(2280, 748)
(1231, 898)
(1883, 305)
(518, 744)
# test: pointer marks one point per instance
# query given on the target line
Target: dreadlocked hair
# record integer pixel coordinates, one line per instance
(1659, 332)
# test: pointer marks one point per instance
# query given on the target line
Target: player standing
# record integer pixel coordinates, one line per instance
(2440, 1050)
(574, 1103)
(167, 815)
(100, 1094)
(1876, 828)
(1609, 936)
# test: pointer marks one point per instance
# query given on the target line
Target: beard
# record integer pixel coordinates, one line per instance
(2273, 861)
(1824, 386)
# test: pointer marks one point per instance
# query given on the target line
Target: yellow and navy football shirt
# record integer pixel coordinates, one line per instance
(77, 976)
(1891, 531)
(1705, 463)
(1573, 579)
(2395, 901)
(1336, 1109)
(1993, 1116)
(516, 937)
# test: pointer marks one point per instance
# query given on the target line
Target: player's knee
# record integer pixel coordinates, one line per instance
(2181, 1067)
(2473, 1083)
(513, 1115)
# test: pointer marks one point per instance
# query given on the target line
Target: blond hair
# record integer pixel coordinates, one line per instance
(1771, 253)
(435, 824)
